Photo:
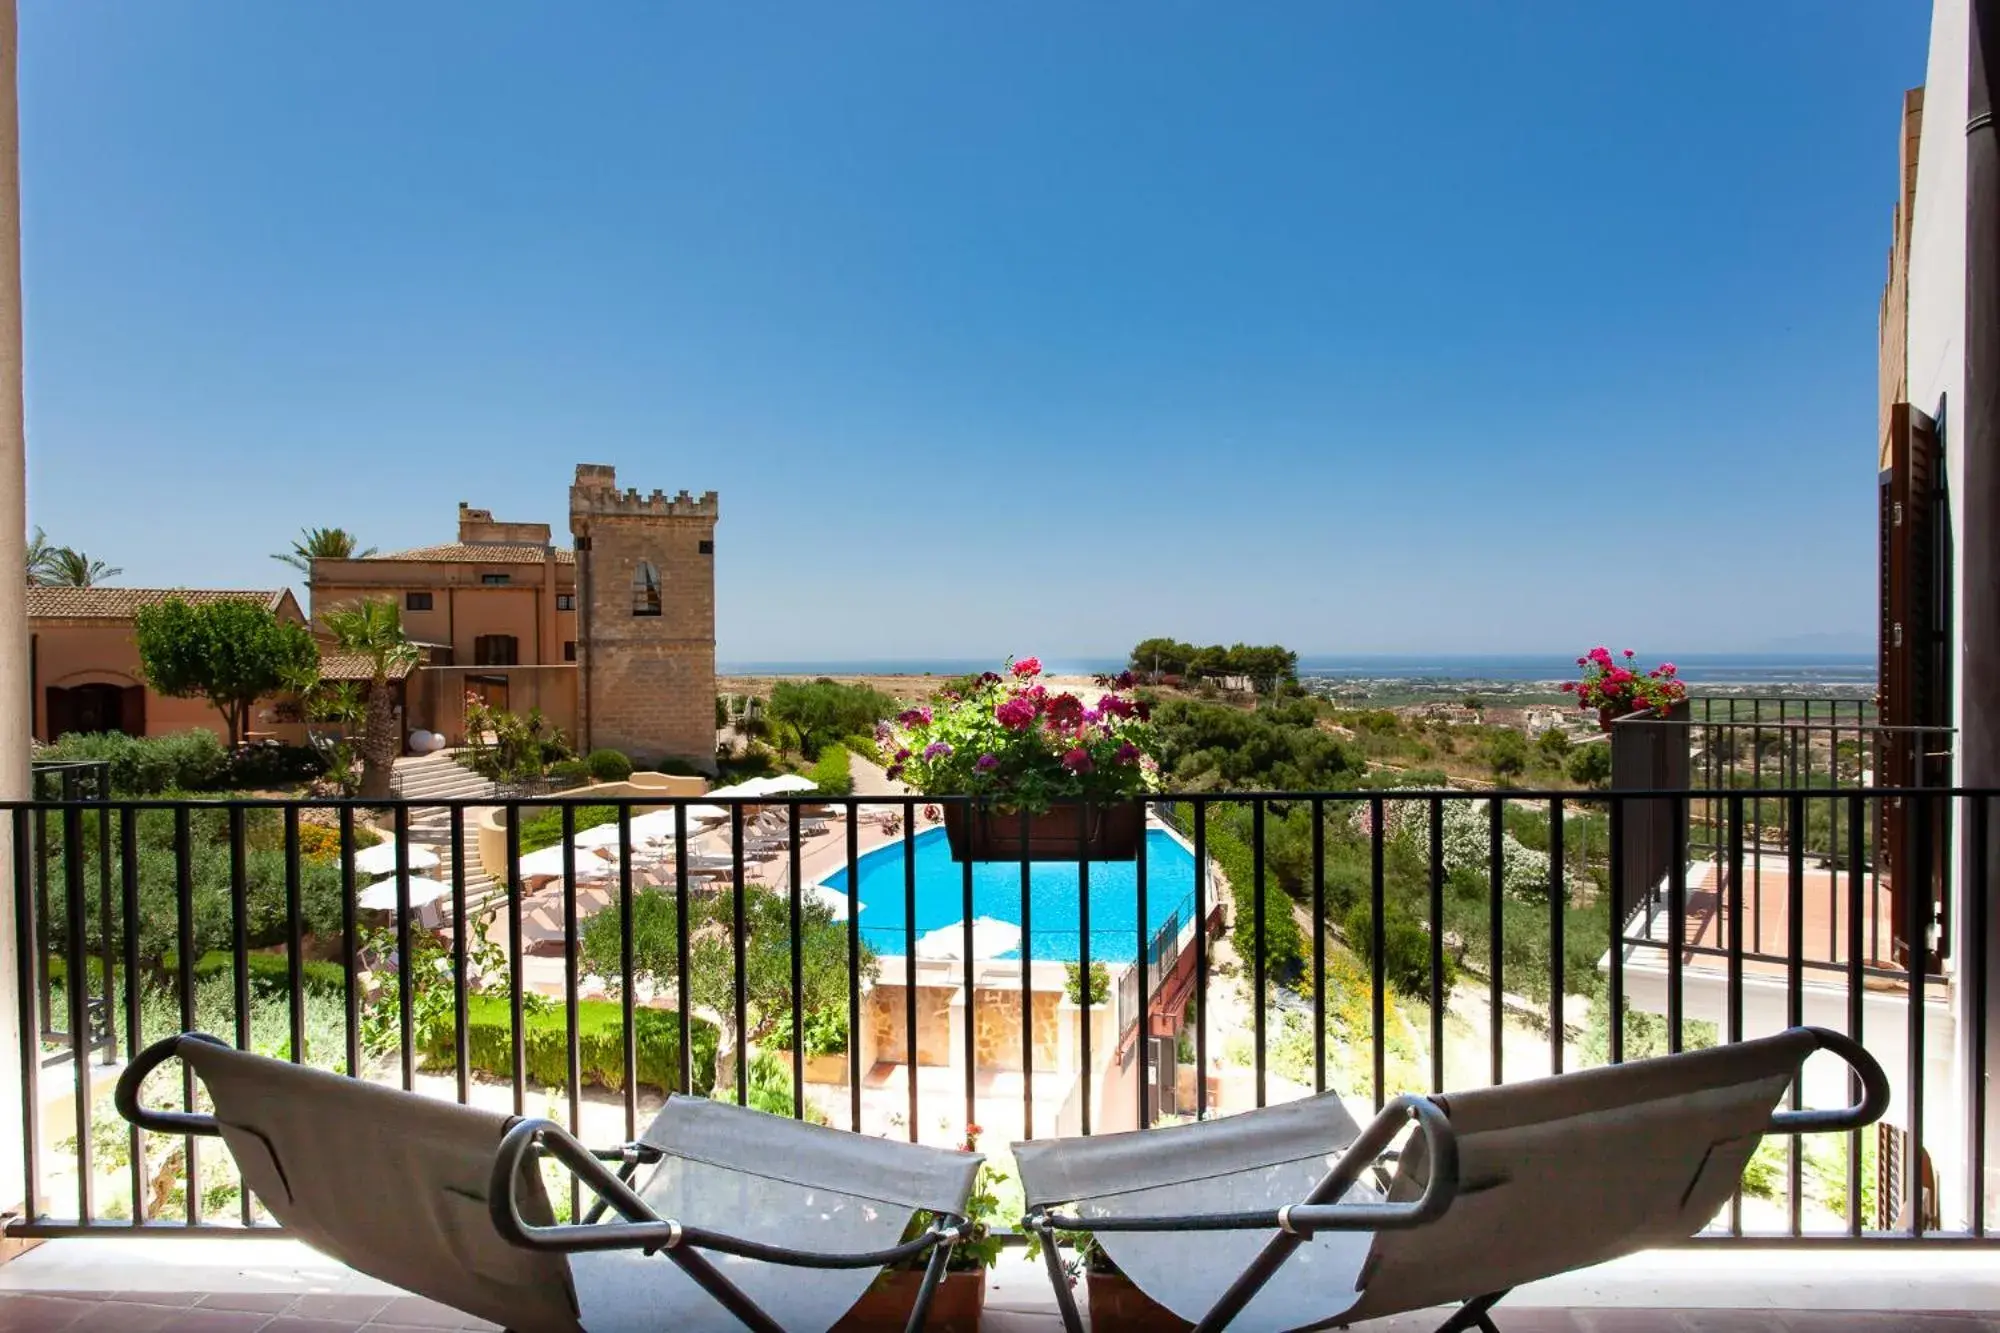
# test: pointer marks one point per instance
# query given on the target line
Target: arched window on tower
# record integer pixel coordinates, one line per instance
(645, 590)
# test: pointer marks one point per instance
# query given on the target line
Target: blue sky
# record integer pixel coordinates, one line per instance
(1360, 327)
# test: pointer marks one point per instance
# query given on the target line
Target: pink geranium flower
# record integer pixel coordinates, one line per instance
(1027, 667)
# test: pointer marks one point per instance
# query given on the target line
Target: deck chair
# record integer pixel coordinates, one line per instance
(717, 1216)
(1293, 1218)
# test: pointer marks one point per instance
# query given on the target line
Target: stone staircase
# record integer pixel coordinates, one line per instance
(418, 778)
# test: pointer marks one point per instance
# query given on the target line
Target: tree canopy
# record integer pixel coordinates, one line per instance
(1266, 666)
(810, 715)
(231, 652)
(1280, 748)
(323, 544)
(711, 926)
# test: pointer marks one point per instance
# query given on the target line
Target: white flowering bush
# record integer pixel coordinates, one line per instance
(1467, 843)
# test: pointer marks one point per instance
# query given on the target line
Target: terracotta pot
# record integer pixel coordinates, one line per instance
(977, 833)
(1116, 1306)
(885, 1307)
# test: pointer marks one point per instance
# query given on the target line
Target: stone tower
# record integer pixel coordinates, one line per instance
(645, 633)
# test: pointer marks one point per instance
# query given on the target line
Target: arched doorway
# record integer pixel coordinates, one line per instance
(96, 707)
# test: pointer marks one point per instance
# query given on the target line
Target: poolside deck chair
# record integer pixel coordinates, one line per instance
(717, 1217)
(1287, 1218)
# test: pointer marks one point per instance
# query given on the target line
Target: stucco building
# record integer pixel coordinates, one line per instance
(613, 638)
(83, 662)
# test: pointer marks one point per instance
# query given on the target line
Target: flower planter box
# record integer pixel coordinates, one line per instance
(885, 1307)
(1116, 1306)
(977, 833)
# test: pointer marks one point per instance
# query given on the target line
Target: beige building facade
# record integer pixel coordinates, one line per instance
(613, 639)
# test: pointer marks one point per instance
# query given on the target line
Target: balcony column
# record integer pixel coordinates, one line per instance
(14, 699)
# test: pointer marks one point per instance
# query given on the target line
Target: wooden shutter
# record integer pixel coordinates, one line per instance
(132, 711)
(56, 719)
(1913, 681)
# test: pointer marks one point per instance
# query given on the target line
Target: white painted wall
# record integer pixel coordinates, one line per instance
(1937, 384)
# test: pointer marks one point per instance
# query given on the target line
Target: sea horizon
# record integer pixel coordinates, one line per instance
(1853, 669)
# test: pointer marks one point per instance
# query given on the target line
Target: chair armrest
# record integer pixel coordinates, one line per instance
(1315, 1213)
(642, 1228)
(1874, 1092)
(126, 1096)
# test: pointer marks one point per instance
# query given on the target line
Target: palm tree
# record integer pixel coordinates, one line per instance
(71, 568)
(374, 627)
(41, 558)
(322, 544)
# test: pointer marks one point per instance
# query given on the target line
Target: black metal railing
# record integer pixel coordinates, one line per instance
(1261, 946)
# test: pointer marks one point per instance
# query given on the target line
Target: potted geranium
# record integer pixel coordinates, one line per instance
(1055, 775)
(1615, 688)
(960, 1299)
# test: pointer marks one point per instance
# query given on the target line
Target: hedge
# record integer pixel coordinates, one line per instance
(268, 971)
(599, 1040)
(150, 765)
(831, 773)
(1284, 944)
(544, 828)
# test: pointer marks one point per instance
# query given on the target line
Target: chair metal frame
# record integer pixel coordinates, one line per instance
(640, 1228)
(1297, 1222)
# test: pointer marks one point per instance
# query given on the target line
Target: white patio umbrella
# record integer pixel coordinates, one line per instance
(990, 938)
(549, 862)
(784, 783)
(381, 858)
(381, 895)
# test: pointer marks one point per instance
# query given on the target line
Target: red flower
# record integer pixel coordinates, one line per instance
(1026, 667)
(1066, 710)
(1078, 760)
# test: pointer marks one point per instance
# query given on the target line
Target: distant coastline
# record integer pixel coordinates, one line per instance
(1851, 670)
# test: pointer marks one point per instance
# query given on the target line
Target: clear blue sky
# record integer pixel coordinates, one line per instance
(1360, 327)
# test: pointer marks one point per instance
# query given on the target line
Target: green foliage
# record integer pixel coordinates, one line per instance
(1589, 765)
(600, 1037)
(269, 973)
(864, 746)
(1278, 748)
(544, 828)
(510, 747)
(210, 879)
(1406, 946)
(825, 1030)
(323, 544)
(567, 773)
(808, 716)
(767, 947)
(150, 765)
(769, 1081)
(1100, 983)
(830, 774)
(1267, 666)
(1505, 751)
(608, 765)
(231, 652)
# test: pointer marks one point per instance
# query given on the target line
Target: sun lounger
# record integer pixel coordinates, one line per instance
(448, 1201)
(1287, 1217)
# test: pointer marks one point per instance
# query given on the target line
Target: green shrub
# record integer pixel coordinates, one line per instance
(864, 746)
(825, 1031)
(273, 765)
(569, 772)
(1100, 982)
(150, 765)
(544, 828)
(269, 972)
(1406, 948)
(608, 765)
(831, 774)
(1284, 943)
(600, 1042)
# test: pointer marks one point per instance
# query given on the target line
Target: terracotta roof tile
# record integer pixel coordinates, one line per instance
(481, 553)
(354, 666)
(46, 603)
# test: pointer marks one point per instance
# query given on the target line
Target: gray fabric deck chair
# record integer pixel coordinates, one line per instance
(1289, 1218)
(715, 1212)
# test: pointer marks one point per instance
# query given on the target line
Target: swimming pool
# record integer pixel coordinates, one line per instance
(996, 892)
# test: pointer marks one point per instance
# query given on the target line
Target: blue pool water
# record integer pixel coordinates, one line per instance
(996, 892)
